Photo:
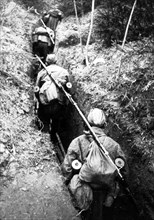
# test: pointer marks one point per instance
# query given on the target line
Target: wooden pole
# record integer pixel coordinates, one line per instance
(90, 31)
(125, 36)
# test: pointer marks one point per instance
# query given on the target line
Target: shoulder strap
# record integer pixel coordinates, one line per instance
(80, 151)
(79, 143)
(93, 141)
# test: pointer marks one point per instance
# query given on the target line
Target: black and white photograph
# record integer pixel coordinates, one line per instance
(76, 110)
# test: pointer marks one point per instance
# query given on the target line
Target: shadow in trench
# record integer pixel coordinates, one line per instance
(71, 126)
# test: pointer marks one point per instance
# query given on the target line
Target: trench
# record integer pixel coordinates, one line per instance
(72, 126)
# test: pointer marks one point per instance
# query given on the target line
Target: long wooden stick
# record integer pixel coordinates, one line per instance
(61, 145)
(90, 31)
(125, 36)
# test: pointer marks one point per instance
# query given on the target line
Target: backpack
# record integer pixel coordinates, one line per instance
(48, 92)
(97, 169)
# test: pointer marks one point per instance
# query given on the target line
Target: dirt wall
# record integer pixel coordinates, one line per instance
(127, 99)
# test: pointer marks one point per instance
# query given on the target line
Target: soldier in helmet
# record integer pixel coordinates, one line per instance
(43, 42)
(50, 100)
(51, 20)
(43, 37)
(104, 194)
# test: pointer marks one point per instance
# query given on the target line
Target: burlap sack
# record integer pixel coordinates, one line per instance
(97, 168)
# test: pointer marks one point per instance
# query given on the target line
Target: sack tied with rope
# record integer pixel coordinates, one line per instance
(97, 169)
(42, 34)
(48, 90)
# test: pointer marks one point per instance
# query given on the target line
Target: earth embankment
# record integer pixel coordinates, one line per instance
(127, 99)
(31, 184)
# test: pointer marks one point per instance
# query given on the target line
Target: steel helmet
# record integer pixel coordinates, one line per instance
(96, 117)
(51, 59)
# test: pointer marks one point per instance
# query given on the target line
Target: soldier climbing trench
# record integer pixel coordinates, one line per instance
(50, 100)
(44, 36)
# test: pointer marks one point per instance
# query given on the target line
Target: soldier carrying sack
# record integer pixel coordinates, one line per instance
(94, 170)
(50, 101)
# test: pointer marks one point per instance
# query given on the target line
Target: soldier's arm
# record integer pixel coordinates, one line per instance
(72, 154)
(39, 77)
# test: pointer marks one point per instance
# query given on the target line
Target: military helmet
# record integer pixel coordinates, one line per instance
(51, 59)
(96, 117)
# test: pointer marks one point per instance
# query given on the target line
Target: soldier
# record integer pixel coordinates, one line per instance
(43, 37)
(50, 100)
(43, 42)
(105, 189)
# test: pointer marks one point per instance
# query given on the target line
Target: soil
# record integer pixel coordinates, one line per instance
(33, 188)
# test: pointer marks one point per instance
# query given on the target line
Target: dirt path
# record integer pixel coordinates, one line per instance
(33, 188)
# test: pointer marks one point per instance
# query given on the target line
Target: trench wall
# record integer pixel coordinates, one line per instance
(127, 101)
